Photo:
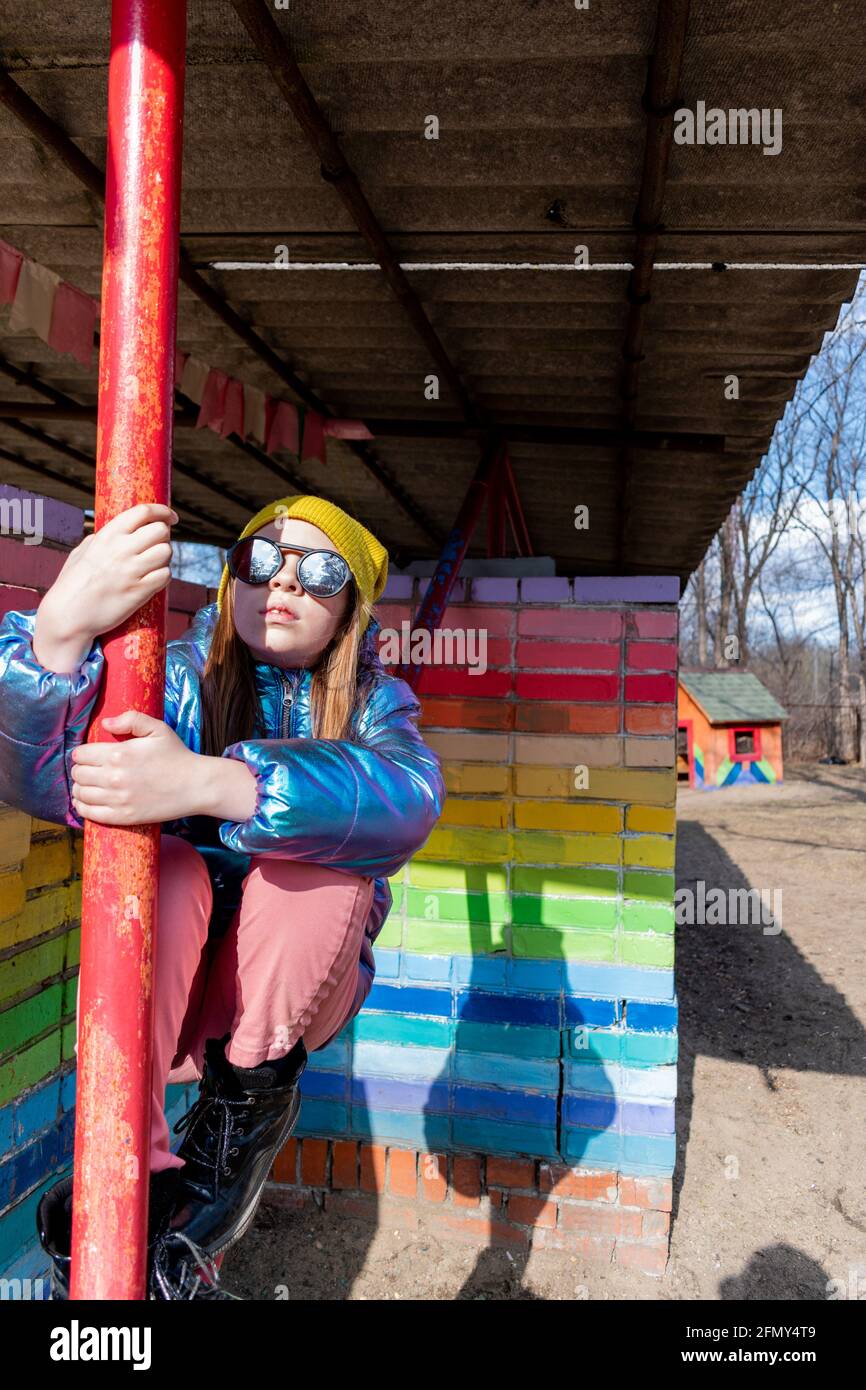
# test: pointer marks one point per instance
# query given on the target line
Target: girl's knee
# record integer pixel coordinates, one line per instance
(183, 876)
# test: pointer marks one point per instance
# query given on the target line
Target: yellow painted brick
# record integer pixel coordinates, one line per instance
(476, 777)
(535, 847)
(651, 818)
(49, 861)
(73, 900)
(45, 911)
(649, 852)
(467, 846)
(489, 813)
(78, 855)
(604, 784)
(46, 827)
(14, 836)
(563, 815)
(11, 893)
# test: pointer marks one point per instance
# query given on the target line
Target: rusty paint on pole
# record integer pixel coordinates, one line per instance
(136, 378)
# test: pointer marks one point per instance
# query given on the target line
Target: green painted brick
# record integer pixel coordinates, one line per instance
(25, 1021)
(470, 878)
(391, 933)
(73, 947)
(654, 887)
(574, 882)
(28, 968)
(29, 1066)
(595, 1044)
(397, 893)
(548, 943)
(565, 912)
(430, 906)
(446, 939)
(646, 950)
(69, 1040)
(507, 1039)
(644, 916)
(400, 1028)
(70, 995)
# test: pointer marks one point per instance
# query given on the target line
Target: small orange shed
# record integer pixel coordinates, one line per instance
(729, 729)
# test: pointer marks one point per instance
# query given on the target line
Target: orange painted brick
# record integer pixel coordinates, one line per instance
(314, 1158)
(598, 1220)
(497, 1199)
(285, 1167)
(573, 1182)
(372, 1168)
(651, 1258)
(657, 1193)
(480, 1230)
(655, 1223)
(344, 1164)
(434, 1177)
(535, 718)
(404, 1172)
(510, 1172)
(649, 719)
(531, 1211)
(466, 1181)
(442, 713)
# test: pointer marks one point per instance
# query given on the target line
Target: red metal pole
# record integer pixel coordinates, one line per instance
(121, 865)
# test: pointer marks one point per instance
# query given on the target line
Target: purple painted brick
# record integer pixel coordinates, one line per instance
(494, 590)
(60, 521)
(549, 589)
(651, 588)
(457, 595)
(398, 586)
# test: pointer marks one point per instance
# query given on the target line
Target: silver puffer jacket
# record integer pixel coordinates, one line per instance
(363, 805)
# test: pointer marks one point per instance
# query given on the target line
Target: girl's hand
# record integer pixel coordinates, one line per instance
(105, 579)
(152, 777)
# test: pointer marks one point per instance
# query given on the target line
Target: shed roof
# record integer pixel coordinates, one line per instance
(728, 697)
(544, 144)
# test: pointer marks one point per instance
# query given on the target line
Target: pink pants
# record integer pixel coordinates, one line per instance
(288, 967)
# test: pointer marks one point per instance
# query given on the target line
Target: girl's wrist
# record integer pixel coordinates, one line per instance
(227, 789)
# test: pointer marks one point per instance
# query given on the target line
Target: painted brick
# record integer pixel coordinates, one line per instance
(476, 778)
(285, 1167)
(433, 1169)
(531, 1211)
(452, 713)
(651, 689)
(403, 1165)
(645, 623)
(558, 815)
(573, 1182)
(651, 656)
(469, 747)
(372, 1168)
(510, 1172)
(650, 719)
(568, 656)
(344, 1164)
(15, 831)
(650, 752)
(571, 752)
(596, 624)
(652, 818)
(466, 1181)
(532, 686)
(14, 599)
(314, 1157)
(543, 718)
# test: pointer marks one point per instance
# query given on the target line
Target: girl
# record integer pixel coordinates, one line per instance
(290, 780)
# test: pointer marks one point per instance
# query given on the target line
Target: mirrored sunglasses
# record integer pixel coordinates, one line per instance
(255, 560)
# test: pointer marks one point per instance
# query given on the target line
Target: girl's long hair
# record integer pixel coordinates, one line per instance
(231, 710)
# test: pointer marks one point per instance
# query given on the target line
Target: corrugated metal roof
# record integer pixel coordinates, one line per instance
(540, 149)
(727, 697)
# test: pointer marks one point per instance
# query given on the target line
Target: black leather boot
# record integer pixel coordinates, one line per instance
(175, 1269)
(234, 1131)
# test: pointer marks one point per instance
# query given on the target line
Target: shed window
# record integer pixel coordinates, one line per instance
(744, 741)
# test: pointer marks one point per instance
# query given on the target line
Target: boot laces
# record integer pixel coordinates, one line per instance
(226, 1113)
(195, 1271)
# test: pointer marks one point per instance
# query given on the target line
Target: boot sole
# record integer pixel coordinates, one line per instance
(246, 1216)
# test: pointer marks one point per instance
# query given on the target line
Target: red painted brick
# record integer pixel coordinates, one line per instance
(651, 656)
(594, 1248)
(658, 689)
(655, 1223)
(186, 597)
(15, 600)
(372, 1168)
(569, 622)
(492, 618)
(285, 1167)
(655, 1193)
(510, 1172)
(531, 1211)
(404, 1172)
(31, 566)
(531, 686)
(434, 1176)
(568, 656)
(466, 1181)
(598, 1220)
(176, 625)
(464, 1225)
(344, 1164)
(648, 624)
(650, 1258)
(442, 712)
(575, 1182)
(456, 680)
(650, 719)
(314, 1158)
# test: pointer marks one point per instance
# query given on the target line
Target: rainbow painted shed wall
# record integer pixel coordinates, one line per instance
(729, 730)
(525, 1001)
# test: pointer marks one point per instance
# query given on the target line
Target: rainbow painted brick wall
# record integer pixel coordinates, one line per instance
(524, 1003)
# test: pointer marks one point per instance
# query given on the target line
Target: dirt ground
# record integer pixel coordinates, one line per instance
(768, 1187)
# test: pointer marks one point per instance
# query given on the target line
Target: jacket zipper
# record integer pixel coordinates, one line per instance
(288, 697)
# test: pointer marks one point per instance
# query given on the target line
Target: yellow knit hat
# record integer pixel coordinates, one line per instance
(367, 558)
